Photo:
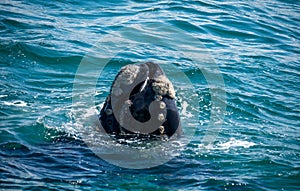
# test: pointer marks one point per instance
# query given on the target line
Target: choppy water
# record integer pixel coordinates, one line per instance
(255, 44)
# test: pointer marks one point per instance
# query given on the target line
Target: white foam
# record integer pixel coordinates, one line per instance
(184, 111)
(226, 146)
(45, 107)
(235, 143)
(18, 103)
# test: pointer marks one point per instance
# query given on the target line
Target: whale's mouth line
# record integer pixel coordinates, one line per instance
(141, 101)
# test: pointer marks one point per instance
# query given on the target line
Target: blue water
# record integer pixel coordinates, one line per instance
(254, 44)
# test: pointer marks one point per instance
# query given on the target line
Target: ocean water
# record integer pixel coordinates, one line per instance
(239, 60)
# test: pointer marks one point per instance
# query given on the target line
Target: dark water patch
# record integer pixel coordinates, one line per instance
(14, 149)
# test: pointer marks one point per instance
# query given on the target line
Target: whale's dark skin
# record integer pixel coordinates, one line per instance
(144, 84)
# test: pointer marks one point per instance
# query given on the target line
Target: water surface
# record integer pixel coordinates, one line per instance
(255, 45)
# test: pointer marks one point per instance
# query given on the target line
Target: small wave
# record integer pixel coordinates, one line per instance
(14, 148)
(231, 144)
(234, 143)
(18, 103)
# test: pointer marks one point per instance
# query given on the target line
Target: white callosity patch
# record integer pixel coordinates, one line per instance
(117, 91)
(161, 129)
(129, 73)
(161, 117)
(127, 76)
(162, 105)
(162, 86)
(158, 97)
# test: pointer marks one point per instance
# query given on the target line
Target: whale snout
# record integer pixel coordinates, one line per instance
(141, 101)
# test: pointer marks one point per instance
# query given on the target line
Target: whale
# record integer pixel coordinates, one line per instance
(141, 101)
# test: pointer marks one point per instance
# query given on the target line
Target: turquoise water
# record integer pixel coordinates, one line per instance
(255, 44)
